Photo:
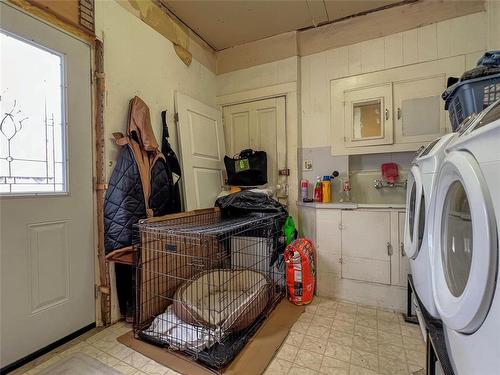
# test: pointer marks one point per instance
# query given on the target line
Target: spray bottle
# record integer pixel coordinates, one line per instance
(318, 191)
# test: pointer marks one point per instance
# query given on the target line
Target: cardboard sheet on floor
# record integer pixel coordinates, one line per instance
(253, 359)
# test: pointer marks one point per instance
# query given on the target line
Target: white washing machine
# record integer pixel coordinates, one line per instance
(464, 246)
(420, 185)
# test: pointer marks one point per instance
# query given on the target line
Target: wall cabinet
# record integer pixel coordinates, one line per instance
(394, 110)
(419, 114)
(368, 116)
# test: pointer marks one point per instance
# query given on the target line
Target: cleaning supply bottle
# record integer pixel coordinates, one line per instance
(326, 189)
(318, 191)
(304, 187)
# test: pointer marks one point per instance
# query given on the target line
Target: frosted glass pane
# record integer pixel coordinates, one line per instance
(420, 116)
(32, 136)
(367, 120)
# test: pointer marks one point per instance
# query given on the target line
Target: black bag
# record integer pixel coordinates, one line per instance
(249, 168)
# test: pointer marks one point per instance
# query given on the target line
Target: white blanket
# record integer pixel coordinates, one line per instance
(169, 329)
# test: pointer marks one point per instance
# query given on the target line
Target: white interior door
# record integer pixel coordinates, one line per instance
(46, 201)
(259, 125)
(202, 151)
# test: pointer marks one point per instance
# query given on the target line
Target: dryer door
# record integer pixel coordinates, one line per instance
(415, 213)
(463, 247)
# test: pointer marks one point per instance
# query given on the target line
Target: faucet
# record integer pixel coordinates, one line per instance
(379, 184)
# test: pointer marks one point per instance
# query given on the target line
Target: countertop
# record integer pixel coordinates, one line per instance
(352, 205)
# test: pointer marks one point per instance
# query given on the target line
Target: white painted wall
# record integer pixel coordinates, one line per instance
(259, 76)
(458, 36)
(139, 61)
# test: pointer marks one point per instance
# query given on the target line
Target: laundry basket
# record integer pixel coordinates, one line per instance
(470, 96)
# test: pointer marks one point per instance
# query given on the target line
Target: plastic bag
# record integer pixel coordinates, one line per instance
(300, 271)
(247, 201)
(289, 230)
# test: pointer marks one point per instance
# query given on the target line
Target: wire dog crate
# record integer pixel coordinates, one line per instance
(204, 283)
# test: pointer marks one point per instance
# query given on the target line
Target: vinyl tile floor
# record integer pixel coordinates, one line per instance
(331, 337)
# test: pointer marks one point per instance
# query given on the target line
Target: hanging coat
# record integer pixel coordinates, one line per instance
(173, 168)
(139, 187)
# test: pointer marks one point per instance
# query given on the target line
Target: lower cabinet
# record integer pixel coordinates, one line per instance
(366, 246)
(359, 254)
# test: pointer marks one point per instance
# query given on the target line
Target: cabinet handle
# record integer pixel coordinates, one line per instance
(389, 249)
(402, 248)
(399, 113)
(386, 114)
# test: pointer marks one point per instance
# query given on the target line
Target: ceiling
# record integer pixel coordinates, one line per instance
(227, 23)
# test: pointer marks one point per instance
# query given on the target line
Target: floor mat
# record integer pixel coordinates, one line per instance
(79, 364)
(252, 360)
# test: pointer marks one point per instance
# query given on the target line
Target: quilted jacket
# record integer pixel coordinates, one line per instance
(139, 186)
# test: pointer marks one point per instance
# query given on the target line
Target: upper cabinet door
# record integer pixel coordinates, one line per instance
(419, 114)
(368, 116)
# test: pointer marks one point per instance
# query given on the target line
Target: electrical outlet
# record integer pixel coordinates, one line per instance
(308, 165)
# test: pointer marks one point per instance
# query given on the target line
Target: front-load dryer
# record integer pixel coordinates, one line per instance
(420, 185)
(464, 246)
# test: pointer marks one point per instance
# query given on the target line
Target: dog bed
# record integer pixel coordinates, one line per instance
(229, 300)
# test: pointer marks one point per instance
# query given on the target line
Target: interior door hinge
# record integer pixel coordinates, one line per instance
(341, 261)
(341, 226)
(389, 249)
(176, 117)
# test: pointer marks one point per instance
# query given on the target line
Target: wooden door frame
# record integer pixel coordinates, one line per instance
(289, 91)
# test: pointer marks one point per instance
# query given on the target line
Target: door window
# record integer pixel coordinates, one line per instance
(457, 239)
(32, 136)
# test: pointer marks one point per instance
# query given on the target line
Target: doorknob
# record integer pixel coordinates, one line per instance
(386, 114)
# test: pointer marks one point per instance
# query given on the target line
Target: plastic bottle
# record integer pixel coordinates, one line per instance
(346, 188)
(304, 189)
(318, 191)
(327, 189)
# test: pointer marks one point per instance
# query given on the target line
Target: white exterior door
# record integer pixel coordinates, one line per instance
(260, 125)
(202, 151)
(46, 201)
